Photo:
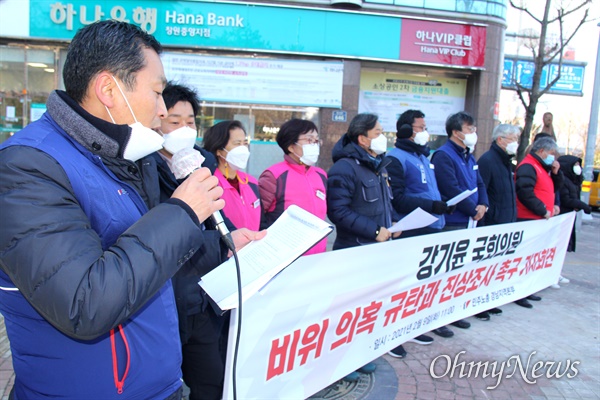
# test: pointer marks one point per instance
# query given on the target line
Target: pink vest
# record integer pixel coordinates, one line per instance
(302, 187)
(243, 208)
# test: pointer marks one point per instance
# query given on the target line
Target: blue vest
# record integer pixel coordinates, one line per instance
(419, 179)
(51, 364)
(466, 175)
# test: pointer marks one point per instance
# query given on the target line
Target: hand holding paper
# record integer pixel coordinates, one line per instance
(294, 232)
(460, 197)
(416, 219)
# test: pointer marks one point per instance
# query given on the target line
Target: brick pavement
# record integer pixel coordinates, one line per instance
(564, 326)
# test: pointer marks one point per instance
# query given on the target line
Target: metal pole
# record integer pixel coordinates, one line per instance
(590, 147)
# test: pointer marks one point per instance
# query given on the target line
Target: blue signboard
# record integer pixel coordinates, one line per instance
(524, 74)
(508, 74)
(339, 116)
(521, 71)
(571, 78)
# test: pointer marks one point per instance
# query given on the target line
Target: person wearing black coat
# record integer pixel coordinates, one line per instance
(571, 190)
(497, 171)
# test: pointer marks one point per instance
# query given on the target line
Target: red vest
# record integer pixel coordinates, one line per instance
(543, 190)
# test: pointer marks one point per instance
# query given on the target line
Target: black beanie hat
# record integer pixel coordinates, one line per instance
(404, 132)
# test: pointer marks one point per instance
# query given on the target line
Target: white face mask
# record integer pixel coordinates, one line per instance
(421, 138)
(179, 139)
(379, 144)
(577, 169)
(470, 139)
(310, 154)
(238, 157)
(512, 147)
(143, 140)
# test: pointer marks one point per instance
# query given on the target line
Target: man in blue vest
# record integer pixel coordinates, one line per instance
(457, 171)
(413, 185)
(88, 250)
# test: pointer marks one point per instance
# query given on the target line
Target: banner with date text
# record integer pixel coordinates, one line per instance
(326, 315)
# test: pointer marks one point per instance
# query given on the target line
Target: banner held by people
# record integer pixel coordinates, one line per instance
(328, 314)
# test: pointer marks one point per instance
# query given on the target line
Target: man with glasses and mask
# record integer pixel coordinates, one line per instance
(457, 171)
(88, 249)
(497, 171)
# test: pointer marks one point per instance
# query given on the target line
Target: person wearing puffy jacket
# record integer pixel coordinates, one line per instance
(570, 191)
(88, 250)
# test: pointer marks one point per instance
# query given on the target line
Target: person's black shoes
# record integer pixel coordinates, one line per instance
(533, 297)
(524, 303)
(398, 352)
(484, 316)
(443, 332)
(462, 324)
(495, 311)
(422, 339)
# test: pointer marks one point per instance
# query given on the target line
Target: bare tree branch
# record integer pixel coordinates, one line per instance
(525, 10)
(569, 12)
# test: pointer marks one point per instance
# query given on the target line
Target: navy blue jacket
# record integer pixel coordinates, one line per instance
(358, 195)
(497, 172)
(457, 171)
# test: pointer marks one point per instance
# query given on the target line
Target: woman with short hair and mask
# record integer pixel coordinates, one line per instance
(228, 142)
(296, 180)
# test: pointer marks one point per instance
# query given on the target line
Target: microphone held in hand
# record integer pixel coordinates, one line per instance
(222, 228)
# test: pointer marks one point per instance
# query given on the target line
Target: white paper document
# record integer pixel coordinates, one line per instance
(292, 234)
(460, 197)
(472, 223)
(415, 220)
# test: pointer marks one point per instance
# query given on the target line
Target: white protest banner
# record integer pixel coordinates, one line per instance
(326, 315)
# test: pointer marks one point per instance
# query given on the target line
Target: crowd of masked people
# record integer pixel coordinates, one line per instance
(106, 199)
(366, 190)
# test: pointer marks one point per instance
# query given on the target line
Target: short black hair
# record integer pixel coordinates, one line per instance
(217, 136)
(113, 46)
(174, 93)
(291, 130)
(360, 125)
(456, 121)
(408, 117)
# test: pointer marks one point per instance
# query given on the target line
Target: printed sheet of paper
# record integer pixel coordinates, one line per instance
(415, 220)
(292, 234)
(460, 197)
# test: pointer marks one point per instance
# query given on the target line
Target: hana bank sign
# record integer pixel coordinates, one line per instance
(443, 43)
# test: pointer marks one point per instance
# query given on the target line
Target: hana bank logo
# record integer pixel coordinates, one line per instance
(530, 371)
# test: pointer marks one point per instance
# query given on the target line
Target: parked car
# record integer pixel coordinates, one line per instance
(595, 191)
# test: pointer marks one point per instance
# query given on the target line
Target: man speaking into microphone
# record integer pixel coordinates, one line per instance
(87, 251)
(200, 328)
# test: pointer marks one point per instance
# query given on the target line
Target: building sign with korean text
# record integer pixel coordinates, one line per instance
(301, 333)
(262, 27)
(443, 43)
(259, 80)
(389, 94)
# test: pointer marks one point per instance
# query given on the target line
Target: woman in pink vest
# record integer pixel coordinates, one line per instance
(227, 141)
(295, 180)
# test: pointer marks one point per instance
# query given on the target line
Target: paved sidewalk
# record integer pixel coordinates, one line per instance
(563, 328)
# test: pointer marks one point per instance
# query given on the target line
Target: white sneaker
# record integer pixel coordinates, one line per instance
(555, 286)
(562, 279)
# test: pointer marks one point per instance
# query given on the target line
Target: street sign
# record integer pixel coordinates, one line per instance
(518, 70)
(571, 78)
